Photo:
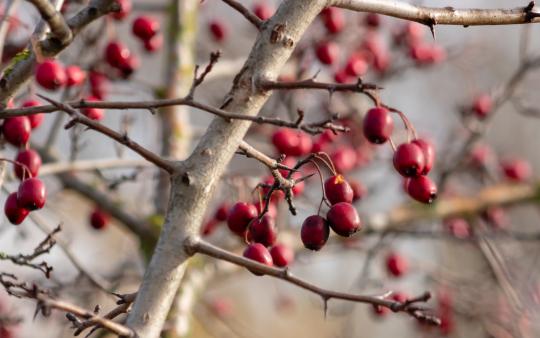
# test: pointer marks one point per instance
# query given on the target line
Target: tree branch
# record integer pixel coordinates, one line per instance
(59, 28)
(245, 12)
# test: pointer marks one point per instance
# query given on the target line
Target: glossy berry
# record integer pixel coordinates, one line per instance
(222, 212)
(32, 162)
(218, 30)
(282, 255)
(16, 130)
(315, 232)
(409, 160)
(482, 105)
(31, 194)
(99, 219)
(359, 190)
(429, 154)
(153, 44)
(75, 76)
(327, 52)
(343, 219)
(258, 253)
(14, 213)
(93, 113)
(337, 189)
(333, 19)
(422, 189)
(116, 54)
(145, 27)
(240, 215)
(35, 119)
(396, 265)
(516, 170)
(263, 10)
(50, 75)
(344, 159)
(292, 142)
(263, 231)
(356, 65)
(378, 125)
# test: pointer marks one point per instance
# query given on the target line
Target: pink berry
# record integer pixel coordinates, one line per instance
(343, 219)
(282, 255)
(263, 231)
(341, 76)
(263, 10)
(337, 189)
(378, 125)
(481, 154)
(458, 227)
(240, 215)
(75, 76)
(258, 253)
(125, 9)
(429, 154)
(153, 44)
(409, 159)
(99, 219)
(482, 105)
(35, 119)
(333, 19)
(31, 160)
(50, 75)
(327, 52)
(93, 113)
(516, 170)
(16, 130)
(422, 189)
(396, 265)
(356, 65)
(145, 27)
(31, 194)
(496, 216)
(14, 213)
(315, 232)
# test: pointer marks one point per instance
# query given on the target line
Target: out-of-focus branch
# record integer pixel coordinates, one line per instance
(85, 165)
(245, 12)
(59, 28)
(11, 6)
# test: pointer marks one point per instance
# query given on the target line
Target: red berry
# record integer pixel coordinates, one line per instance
(263, 10)
(209, 227)
(380, 311)
(75, 76)
(372, 20)
(422, 189)
(409, 159)
(31, 194)
(344, 159)
(292, 142)
(343, 219)
(359, 190)
(481, 154)
(458, 227)
(125, 9)
(337, 189)
(327, 52)
(258, 253)
(333, 19)
(116, 54)
(396, 265)
(129, 66)
(356, 65)
(516, 170)
(153, 44)
(98, 84)
(14, 213)
(482, 105)
(429, 154)
(50, 75)
(222, 212)
(496, 216)
(315, 232)
(16, 130)
(31, 160)
(399, 297)
(282, 255)
(240, 215)
(378, 125)
(341, 76)
(263, 231)
(218, 29)
(99, 219)
(35, 119)
(93, 113)
(145, 27)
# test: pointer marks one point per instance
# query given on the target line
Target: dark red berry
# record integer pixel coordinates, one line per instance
(35, 119)
(14, 213)
(429, 154)
(282, 255)
(333, 19)
(482, 105)
(240, 215)
(218, 29)
(16, 130)
(337, 189)
(258, 253)
(93, 113)
(50, 75)
(116, 54)
(99, 219)
(292, 142)
(372, 20)
(356, 65)
(129, 66)
(378, 125)
(359, 190)
(222, 212)
(31, 161)
(516, 170)
(263, 10)
(145, 27)
(343, 219)
(125, 9)
(153, 44)
(75, 76)
(31, 194)
(409, 159)
(327, 52)
(263, 230)
(315, 232)
(396, 265)
(422, 189)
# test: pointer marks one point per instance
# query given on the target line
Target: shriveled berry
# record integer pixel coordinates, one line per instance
(16, 130)
(14, 213)
(337, 189)
(240, 215)
(396, 265)
(218, 30)
(75, 76)
(516, 170)
(482, 105)
(429, 154)
(315, 232)
(35, 119)
(145, 27)
(333, 19)
(263, 10)
(343, 219)
(263, 230)
(327, 52)
(258, 253)
(282, 255)
(99, 219)
(31, 162)
(31, 194)
(422, 189)
(378, 125)
(409, 159)
(50, 75)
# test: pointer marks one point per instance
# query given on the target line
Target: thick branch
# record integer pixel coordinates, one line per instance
(59, 28)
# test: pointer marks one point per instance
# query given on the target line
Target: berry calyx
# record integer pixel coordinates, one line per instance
(99, 219)
(258, 253)
(50, 75)
(263, 230)
(343, 219)
(31, 162)
(378, 125)
(145, 27)
(282, 255)
(409, 159)
(315, 232)
(429, 154)
(327, 52)
(13, 212)
(396, 265)
(16, 130)
(240, 215)
(31, 194)
(422, 189)
(35, 119)
(337, 189)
